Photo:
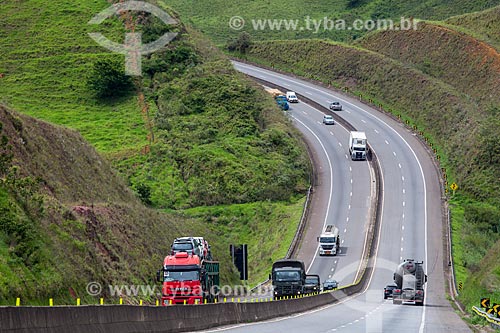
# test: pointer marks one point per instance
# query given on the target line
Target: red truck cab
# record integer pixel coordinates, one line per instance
(181, 278)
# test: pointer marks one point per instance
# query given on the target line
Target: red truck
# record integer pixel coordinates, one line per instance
(188, 280)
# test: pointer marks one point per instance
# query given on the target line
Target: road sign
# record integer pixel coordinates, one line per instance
(460, 285)
(496, 308)
(485, 303)
(454, 186)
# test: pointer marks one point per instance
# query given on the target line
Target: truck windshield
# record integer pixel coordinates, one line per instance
(327, 240)
(359, 148)
(181, 276)
(312, 280)
(287, 276)
(182, 247)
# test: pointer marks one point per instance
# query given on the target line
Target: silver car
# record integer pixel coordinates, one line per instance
(335, 106)
(328, 120)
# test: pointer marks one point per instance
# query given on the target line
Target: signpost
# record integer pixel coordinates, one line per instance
(454, 187)
(485, 303)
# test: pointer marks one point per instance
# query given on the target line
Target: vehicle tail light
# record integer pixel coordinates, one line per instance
(419, 292)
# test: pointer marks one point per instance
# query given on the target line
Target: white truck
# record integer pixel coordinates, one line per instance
(329, 241)
(357, 145)
(291, 97)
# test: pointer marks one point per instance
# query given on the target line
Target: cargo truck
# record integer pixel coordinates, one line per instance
(312, 284)
(357, 145)
(409, 279)
(288, 277)
(329, 241)
(188, 280)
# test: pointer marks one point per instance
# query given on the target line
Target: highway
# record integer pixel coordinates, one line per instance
(341, 200)
(411, 220)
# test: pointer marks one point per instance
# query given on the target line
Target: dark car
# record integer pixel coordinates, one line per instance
(335, 106)
(312, 285)
(330, 284)
(388, 290)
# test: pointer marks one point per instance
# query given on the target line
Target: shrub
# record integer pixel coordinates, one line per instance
(108, 79)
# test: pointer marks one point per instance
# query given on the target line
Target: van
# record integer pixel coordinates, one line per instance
(291, 97)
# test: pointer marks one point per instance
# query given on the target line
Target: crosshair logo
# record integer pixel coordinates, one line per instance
(133, 48)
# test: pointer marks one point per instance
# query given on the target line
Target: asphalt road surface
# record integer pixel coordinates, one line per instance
(411, 219)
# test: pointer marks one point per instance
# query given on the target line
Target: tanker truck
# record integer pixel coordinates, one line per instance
(409, 279)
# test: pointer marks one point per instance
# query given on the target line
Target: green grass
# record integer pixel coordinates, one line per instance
(436, 50)
(45, 56)
(214, 18)
(484, 25)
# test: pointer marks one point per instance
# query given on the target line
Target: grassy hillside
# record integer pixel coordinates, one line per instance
(436, 51)
(46, 55)
(445, 83)
(214, 18)
(67, 219)
(218, 141)
(484, 24)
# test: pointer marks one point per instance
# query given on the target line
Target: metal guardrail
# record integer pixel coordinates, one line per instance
(300, 227)
(296, 237)
(494, 321)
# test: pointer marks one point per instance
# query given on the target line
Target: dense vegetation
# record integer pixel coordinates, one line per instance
(192, 132)
(446, 83)
(214, 18)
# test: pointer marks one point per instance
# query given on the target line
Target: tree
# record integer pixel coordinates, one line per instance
(240, 44)
(108, 79)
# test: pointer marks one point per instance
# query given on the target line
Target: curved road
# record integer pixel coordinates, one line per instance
(411, 222)
(346, 185)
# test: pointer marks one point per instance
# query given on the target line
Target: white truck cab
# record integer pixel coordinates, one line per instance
(291, 97)
(357, 145)
(329, 241)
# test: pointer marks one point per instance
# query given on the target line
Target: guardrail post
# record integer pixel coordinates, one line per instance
(18, 301)
(77, 302)
(51, 302)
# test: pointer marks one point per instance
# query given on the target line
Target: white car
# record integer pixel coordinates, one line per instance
(328, 120)
(291, 97)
